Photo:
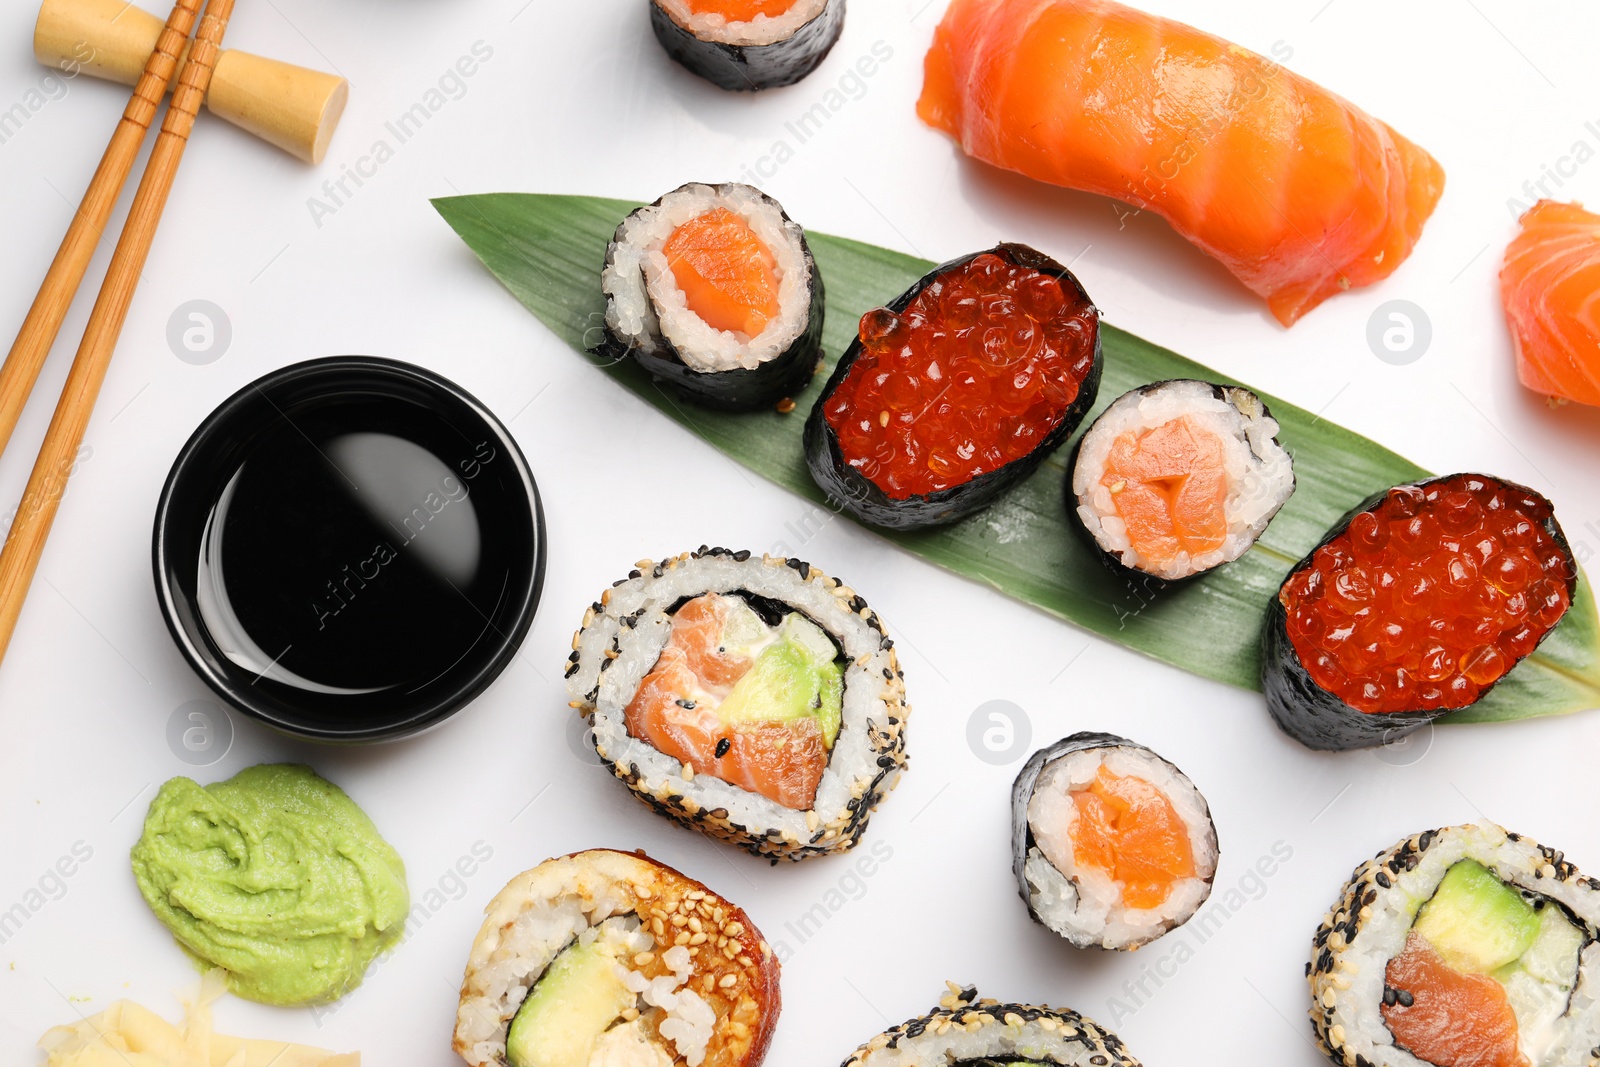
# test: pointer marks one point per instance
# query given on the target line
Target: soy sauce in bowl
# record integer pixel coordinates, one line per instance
(350, 549)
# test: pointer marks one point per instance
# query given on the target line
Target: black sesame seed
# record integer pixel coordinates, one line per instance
(741, 555)
(1405, 998)
(1383, 880)
(1389, 996)
(722, 746)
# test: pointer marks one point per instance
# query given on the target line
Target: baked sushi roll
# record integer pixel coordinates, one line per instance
(713, 290)
(1415, 605)
(1456, 947)
(608, 957)
(1112, 845)
(753, 698)
(957, 390)
(1178, 477)
(748, 44)
(964, 1030)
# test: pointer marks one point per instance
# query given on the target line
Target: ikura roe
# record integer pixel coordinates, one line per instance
(1427, 599)
(974, 374)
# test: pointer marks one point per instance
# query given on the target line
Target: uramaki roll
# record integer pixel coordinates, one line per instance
(753, 698)
(1467, 945)
(965, 1031)
(611, 957)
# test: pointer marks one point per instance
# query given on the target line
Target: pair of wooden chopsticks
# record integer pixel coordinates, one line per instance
(37, 512)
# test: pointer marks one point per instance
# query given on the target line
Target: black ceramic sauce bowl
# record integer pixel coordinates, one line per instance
(349, 549)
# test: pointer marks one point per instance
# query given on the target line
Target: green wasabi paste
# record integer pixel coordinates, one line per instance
(276, 876)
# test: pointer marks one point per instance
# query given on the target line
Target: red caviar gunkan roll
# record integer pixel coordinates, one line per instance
(957, 390)
(1416, 605)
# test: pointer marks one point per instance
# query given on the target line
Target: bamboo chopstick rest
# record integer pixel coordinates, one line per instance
(292, 107)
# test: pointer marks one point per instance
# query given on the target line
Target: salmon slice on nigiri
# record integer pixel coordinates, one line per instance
(1550, 286)
(1299, 193)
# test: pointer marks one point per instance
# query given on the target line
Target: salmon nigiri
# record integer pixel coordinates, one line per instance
(1298, 192)
(1550, 285)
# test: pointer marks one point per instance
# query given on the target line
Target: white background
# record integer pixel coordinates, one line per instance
(578, 98)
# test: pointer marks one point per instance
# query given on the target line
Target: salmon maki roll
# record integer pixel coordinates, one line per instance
(752, 698)
(1299, 193)
(1177, 478)
(1468, 946)
(579, 963)
(713, 290)
(1550, 285)
(1112, 846)
(748, 45)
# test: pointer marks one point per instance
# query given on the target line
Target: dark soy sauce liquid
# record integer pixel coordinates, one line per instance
(359, 551)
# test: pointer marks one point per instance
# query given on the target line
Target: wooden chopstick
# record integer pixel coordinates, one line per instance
(60, 285)
(37, 512)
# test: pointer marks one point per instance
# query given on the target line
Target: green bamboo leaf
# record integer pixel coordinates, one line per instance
(548, 251)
